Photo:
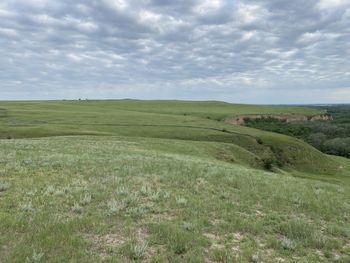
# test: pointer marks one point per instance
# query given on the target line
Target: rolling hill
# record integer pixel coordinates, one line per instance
(164, 181)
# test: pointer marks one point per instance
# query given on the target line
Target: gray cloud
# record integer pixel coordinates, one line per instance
(245, 51)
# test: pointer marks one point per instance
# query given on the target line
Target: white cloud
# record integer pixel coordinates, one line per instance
(117, 5)
(6, 13)
(208, 6)
(75, 57)
(310, 37)
(329, 4)
(8, 32)
(250, 13)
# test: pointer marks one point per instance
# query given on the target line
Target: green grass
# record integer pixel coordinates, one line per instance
(185, 120)
(156, 205)
(128, 181)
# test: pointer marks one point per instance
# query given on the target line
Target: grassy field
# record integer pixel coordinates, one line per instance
(124, 181)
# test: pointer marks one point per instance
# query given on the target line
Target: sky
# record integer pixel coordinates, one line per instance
(253, 51)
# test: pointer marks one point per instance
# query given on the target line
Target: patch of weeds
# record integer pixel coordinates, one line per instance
(131, 199)
(181, 200)
(221, 255)
(175, 238)
(296, 229)
(336, 230)
(138, 211)
(135, 250)
(288, 244)
(4, 186)
(36, 257)
(77, 208)
(85, 200)
(318, 240)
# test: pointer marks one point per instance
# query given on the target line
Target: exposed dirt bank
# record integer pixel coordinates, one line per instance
(240, 119)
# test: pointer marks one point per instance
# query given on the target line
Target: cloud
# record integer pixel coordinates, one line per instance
(331, 4)
(246, 51)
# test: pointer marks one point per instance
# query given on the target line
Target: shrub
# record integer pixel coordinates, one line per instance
(259, 141)
(267, 162)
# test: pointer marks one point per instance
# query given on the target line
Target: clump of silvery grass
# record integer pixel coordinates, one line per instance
(155, 196)
(139, 251)
(27, 207)
(36, 257)
(77, 208)
(122, 190)
(32, 192)
(255, 258)
(181, 200)
(85, 200)
(145, 190)
(288, 244)
(50, 190)
(166, 194)
(113, 207)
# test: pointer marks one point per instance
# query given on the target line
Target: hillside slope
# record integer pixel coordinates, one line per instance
(185, 120)
(127, 199)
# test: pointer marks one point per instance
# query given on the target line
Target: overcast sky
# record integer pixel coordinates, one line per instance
(253, 51)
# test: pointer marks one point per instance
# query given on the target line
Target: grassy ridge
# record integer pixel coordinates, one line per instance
(184, 120)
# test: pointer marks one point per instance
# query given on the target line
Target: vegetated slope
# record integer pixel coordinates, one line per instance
(127, 199)
(331, 137)
(193, 121)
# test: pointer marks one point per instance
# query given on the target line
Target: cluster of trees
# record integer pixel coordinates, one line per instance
(331, 137)
(335, 146)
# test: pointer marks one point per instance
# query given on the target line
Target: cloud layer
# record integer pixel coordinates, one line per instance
(242, 51)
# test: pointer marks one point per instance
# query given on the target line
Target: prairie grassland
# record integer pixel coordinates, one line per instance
(137, 181)
(115, 199)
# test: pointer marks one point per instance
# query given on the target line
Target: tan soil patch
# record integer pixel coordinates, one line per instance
(240, 119)
(104, 244)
